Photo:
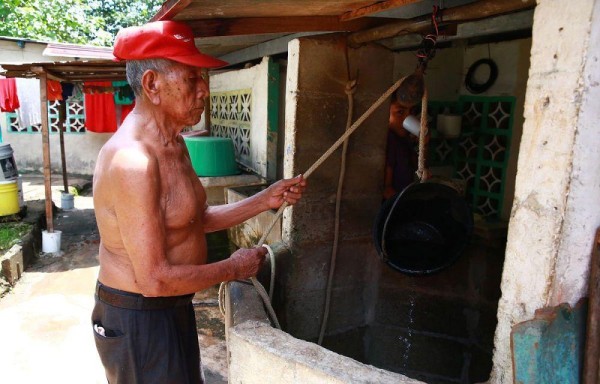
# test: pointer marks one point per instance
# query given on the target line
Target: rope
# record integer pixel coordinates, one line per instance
(261, 291)
(420, 170)
(224, 289)
(350, 90)
(422, 139)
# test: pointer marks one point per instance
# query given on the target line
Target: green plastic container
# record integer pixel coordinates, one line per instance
(212, 156)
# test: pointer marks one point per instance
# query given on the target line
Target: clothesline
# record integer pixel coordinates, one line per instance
(22, 96)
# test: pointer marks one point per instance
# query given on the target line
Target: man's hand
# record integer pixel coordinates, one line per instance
(287, 190)
(247, 262)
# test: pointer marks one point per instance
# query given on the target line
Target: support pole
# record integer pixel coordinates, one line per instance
(46, 149)
(208, 108)
(591, 372)
(62, 113)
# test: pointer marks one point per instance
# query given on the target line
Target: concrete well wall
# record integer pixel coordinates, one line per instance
(556, 211)
(316, 113)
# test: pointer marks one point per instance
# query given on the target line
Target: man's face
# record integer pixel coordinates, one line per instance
(184, 93)
(398, 113)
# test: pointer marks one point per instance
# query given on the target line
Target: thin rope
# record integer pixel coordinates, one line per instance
(350, 90)
(422, 139)
(420, 170)
(272, 282)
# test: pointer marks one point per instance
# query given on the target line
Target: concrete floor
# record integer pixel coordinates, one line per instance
(45, 330)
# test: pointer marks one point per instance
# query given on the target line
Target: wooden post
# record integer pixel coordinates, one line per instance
(62, 113)
(207, 102)
(46, 148)
(592, 344)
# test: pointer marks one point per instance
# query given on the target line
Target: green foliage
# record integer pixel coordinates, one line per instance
(11, 233)
(93, 22)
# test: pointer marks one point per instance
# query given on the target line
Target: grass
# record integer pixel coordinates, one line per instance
(11, 234)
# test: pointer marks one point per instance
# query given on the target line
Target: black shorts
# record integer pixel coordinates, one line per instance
(146, 340)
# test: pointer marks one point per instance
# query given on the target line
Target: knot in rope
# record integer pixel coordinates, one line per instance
(350, 87)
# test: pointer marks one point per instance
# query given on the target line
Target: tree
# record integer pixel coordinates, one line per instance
(93, 22)
(116, 14)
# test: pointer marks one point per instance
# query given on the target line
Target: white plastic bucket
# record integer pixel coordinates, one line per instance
(51, 241)
(7, 163)
(449, 125)
(66, 201)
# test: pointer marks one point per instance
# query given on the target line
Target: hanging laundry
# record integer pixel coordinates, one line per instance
(77, 91)
(53, 90)
(123, 93)
(100, 111)
(9, 101)
(67, 90)
(29, 113)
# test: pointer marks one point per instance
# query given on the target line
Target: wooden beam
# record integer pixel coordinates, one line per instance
(54, 76)
(292, 24)
(464, 13)
(592, 343)
(87, 69)
(374, 8)
(45, 147)
(78, 77)
(170, 9)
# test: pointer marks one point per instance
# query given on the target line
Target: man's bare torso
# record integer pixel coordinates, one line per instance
(179, 205)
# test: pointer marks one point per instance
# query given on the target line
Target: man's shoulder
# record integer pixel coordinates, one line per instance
(127, 154)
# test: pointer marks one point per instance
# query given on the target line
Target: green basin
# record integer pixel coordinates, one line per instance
(212, 156)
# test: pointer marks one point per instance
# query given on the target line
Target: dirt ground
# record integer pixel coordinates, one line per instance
(46, 335)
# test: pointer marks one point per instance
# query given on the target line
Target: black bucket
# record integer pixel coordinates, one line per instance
(423, 229)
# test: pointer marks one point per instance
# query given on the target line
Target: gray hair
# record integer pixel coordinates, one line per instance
(134, 70)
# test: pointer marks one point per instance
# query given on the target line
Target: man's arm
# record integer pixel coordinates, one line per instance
(142, 230)
(227, 215)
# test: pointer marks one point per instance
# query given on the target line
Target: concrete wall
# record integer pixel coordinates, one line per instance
(81, 150)
(259, 353)
(255, 78)
(11, 53)
(316, 113)
(556, 210)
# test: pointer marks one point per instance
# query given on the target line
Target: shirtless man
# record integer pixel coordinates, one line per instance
(152, 215)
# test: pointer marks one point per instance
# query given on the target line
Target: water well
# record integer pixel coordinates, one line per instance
(384, 326)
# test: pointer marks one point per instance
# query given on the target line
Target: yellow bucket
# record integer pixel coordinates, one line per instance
(9, 198)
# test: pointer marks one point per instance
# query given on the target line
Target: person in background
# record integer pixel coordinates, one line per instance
(152, 215)
(401, 151)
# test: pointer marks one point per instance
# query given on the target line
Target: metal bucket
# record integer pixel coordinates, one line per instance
(423, 229)
(7, 163)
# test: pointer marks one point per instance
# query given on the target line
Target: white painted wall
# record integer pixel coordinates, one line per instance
(255, 78)
(11, 53)
(556, 209)
(81, 150)
(445, 79)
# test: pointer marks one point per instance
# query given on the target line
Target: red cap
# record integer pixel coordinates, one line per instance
(162, 40)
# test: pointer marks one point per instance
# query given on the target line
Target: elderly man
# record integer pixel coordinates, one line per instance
(152, 215)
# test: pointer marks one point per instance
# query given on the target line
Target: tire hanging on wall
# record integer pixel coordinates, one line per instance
(472, 85)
